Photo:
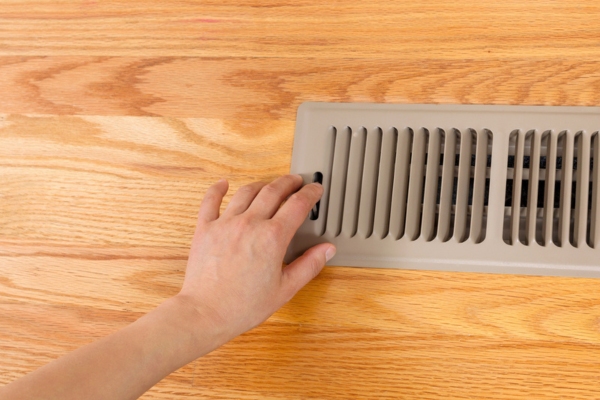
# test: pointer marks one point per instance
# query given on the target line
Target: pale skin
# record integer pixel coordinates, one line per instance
(233, 282)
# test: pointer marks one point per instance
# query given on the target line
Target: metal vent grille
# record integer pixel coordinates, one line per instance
(430, 183)
(506, 189)
(552, 189)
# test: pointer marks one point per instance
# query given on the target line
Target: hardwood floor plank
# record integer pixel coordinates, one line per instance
(249, 94)
(374, 364)
(403, 29)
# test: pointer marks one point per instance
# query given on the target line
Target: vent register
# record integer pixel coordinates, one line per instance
(503, 189)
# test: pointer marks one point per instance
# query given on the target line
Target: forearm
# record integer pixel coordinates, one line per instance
(127, 363)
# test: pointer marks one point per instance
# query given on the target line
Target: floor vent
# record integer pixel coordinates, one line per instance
(507, 189)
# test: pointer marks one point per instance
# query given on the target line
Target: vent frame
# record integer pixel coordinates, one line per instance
(314, 147)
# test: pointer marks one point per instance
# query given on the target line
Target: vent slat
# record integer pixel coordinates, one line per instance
(428, 228)
(525, 185)
(544, 146)
(330, 149)
(582, 189)
(564, 222)
(335, 207)
(560, 154)
(517, 181)
(534, 177)
(381, 224)
(462, 192)
(594, 240)
(548, 212)
(477, 219)
(446, 192)
(401, 181)
(369, 184)
(507, 223)
(415, 186)
(353, 182)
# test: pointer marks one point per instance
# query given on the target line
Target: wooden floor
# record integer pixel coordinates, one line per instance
(115, 118)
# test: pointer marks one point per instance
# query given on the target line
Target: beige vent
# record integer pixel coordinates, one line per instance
(465, 188)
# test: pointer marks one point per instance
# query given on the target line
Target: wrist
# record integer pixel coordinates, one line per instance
(198, 322)
(176, 333)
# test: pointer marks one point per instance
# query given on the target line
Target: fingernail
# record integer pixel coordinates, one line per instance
(330, 253)
(222, 180)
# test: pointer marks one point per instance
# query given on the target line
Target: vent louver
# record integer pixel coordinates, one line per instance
(506, 189)
(408, 183)
(552, 189)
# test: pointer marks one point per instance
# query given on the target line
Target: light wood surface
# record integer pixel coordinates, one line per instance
(115, 117)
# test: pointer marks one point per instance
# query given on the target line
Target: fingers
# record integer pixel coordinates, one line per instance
(295, 210)
(242, 199)
(211, 203)
(268, 201)
(305, 268)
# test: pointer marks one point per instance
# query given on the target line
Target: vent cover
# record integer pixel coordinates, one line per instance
(505, 189)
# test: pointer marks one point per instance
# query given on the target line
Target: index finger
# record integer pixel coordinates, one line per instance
(295, 210)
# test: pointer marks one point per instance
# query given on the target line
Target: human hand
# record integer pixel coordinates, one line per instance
(234, 275)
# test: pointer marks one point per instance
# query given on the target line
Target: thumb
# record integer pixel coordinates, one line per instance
(305, 268)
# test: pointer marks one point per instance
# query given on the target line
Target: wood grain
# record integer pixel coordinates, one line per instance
(116, 116)
(298, 29)
(250, 94)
